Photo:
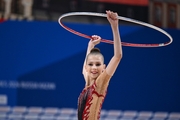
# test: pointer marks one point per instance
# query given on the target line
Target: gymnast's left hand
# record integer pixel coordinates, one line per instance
(112, 18)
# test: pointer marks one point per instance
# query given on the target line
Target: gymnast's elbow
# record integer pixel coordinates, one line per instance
(118, 57)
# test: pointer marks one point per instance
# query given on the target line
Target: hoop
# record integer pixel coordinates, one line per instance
(120, 18)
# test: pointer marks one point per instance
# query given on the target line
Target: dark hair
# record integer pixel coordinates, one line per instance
(95, 51)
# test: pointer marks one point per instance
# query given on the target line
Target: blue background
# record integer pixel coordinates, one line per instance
(146, 79)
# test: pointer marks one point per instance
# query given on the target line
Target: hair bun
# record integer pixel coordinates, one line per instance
(95, 50)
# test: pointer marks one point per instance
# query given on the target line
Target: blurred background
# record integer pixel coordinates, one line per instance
(41, 63)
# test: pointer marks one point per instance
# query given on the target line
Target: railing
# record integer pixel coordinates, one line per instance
(52, 113)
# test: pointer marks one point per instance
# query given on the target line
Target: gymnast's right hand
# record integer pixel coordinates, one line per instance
(95, 40)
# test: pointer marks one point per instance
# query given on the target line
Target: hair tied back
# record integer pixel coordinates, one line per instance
(95, 50)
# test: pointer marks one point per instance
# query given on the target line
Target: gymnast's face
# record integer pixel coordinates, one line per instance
(94, 66)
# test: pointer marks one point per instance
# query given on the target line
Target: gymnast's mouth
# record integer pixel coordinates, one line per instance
(94, 72)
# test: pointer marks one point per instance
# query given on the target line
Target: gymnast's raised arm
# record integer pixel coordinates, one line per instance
(115, 60)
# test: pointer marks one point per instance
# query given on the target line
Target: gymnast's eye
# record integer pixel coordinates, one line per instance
(90, 64)
(98, 64)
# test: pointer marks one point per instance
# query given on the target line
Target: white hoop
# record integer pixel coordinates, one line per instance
(120, 18)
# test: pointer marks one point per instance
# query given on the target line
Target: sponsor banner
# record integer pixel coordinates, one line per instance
(13, 84)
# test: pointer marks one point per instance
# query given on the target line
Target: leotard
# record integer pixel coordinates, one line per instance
(92, 97)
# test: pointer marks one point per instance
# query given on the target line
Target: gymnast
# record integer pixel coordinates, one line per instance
(96, 74)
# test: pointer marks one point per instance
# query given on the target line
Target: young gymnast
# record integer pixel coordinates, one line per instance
(96, 74)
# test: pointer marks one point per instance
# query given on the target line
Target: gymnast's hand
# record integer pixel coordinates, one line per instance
(95, 40)
(112, 18)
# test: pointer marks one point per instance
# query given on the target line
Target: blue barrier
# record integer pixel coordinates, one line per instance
(40, 65)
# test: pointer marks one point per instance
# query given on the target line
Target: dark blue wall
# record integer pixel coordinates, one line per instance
(43, 52)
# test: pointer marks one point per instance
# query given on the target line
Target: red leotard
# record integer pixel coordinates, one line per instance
(90, 101)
